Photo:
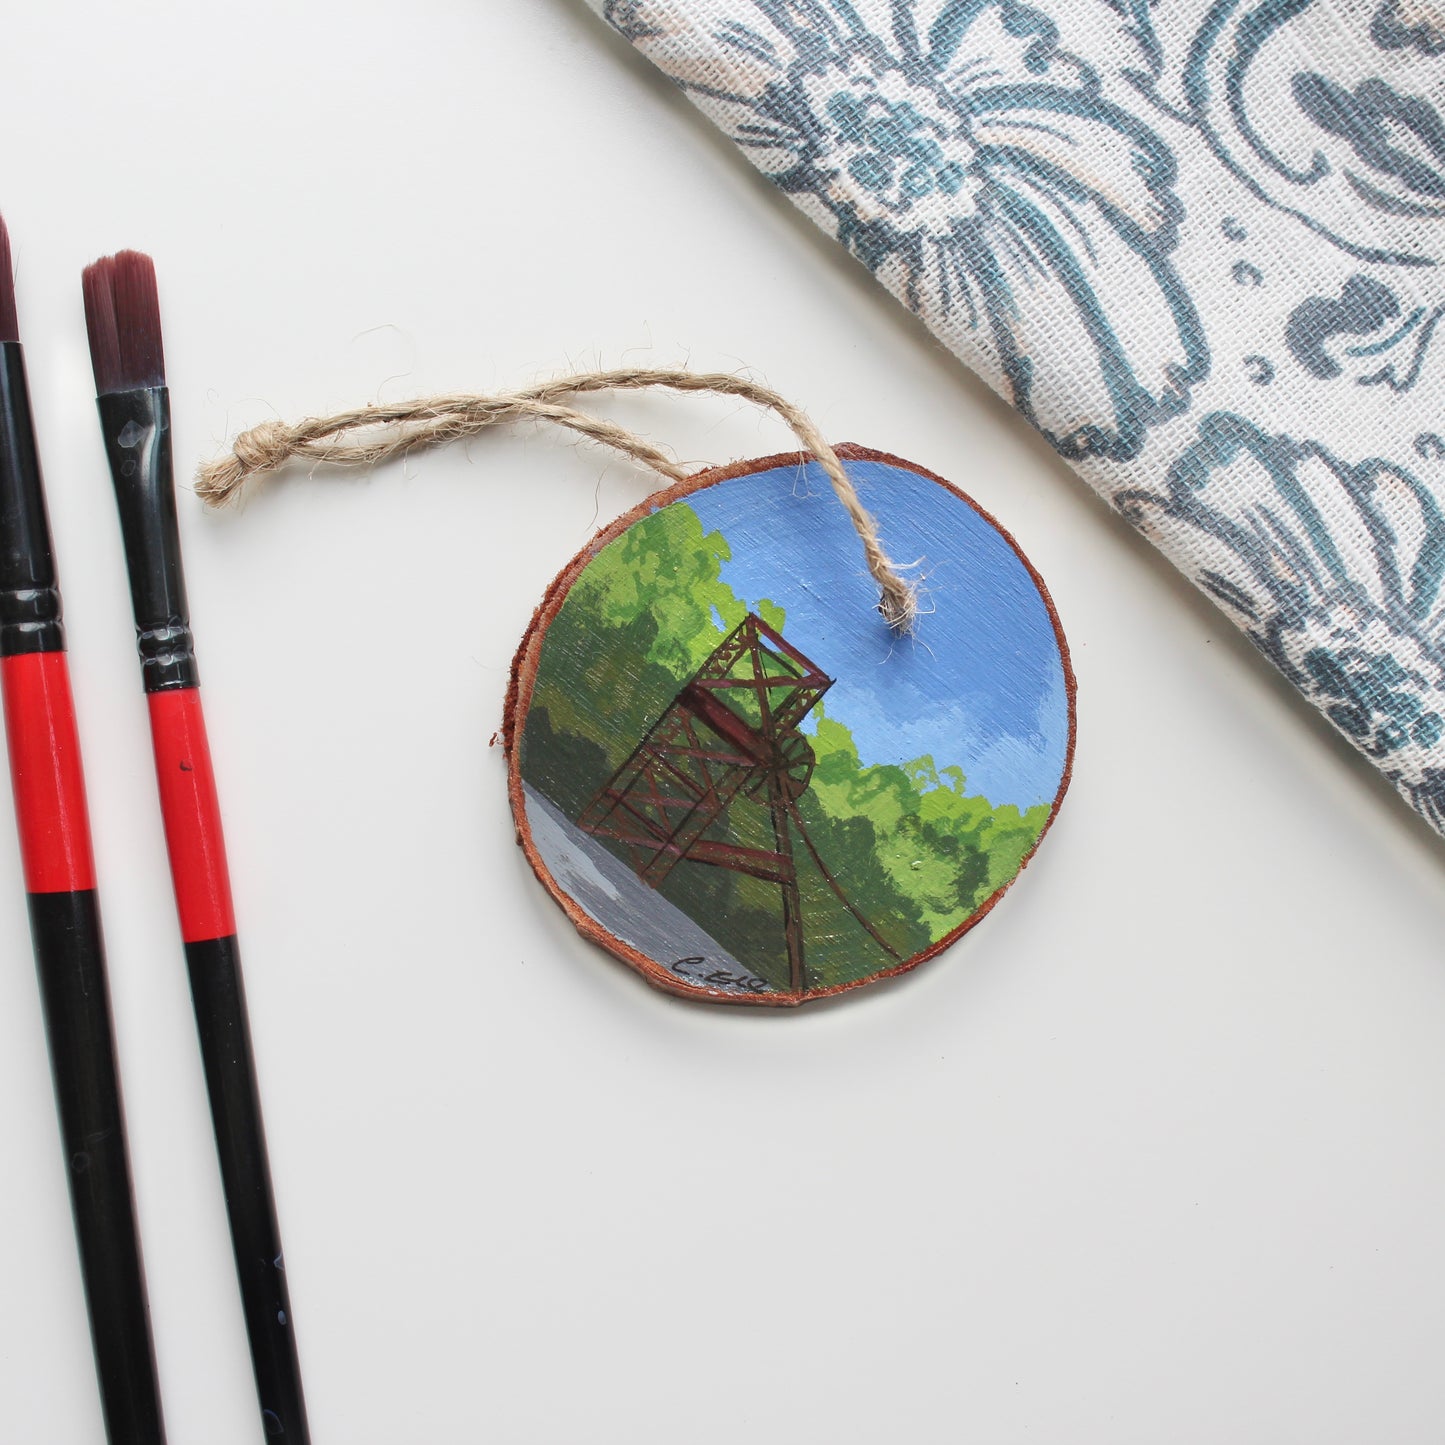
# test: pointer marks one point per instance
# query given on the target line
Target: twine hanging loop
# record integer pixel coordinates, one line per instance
(372, 434)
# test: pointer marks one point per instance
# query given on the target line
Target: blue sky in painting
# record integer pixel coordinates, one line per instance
(980, 683)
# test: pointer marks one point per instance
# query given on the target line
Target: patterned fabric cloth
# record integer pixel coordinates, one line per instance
(1195, 243)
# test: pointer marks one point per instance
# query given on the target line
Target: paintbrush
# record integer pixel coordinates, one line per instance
(59, 867)
(122, 314)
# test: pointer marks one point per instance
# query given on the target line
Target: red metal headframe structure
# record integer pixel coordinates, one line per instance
(731, 731)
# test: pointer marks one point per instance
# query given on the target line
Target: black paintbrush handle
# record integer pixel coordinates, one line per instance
(76, 1002)
(137, 432)
(196, 846)
(136, 426)
(29, 597)
(55, 853)
(220, 1000)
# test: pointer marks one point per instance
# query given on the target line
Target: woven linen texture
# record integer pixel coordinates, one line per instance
(1197, 243)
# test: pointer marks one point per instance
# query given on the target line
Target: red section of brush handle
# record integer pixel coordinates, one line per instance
(45, 770)
(192, 815)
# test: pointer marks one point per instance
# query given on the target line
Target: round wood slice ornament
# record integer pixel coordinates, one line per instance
(731, 773)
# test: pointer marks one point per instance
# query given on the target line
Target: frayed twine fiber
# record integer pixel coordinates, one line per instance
(382, 432)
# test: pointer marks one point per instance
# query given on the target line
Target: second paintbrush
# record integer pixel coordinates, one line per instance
(122, 314)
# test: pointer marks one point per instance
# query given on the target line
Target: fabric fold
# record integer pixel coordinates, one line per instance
(1197, 246)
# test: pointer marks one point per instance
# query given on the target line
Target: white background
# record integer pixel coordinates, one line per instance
(1153, 1155)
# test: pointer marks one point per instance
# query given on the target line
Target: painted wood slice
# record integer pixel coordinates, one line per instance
(732, 775)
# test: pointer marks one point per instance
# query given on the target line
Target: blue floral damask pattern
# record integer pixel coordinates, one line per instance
(973, 163)
(1335, 571)
(1197, 243)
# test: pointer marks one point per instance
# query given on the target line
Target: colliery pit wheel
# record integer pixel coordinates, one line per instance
(793, 763)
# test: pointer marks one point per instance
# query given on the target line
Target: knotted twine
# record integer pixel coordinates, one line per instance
(372, 434)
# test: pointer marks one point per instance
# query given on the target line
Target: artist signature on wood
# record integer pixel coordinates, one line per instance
(697, 970)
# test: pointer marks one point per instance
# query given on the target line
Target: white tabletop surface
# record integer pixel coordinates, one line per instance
(1155, 1154)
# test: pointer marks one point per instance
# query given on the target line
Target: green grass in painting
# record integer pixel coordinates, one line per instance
(913, 850)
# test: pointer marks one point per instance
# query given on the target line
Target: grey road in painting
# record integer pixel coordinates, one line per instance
(613, 894)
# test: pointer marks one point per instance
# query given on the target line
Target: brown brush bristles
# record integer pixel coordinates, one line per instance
(123, 316)
(100, 323)
(9, 322)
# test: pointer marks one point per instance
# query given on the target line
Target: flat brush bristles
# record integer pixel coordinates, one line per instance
(123, 317)
(9, 322)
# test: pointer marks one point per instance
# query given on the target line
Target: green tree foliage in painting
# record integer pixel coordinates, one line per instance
(914, 852)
